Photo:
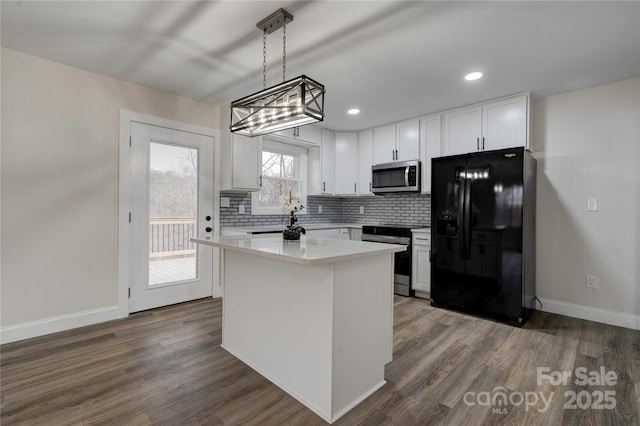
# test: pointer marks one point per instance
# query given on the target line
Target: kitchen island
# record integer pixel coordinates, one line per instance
(315, 317)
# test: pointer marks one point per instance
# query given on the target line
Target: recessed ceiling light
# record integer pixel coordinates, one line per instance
(353, 111)
(473, 76)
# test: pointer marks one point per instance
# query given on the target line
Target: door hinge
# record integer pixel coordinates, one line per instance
(129, 217)
(129, 292)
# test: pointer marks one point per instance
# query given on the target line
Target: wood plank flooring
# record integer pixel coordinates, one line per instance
(166, 367)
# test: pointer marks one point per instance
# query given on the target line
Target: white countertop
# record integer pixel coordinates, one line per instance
(307, 251)
(279, 228)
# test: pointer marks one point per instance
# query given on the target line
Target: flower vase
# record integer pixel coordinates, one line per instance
(291, 234)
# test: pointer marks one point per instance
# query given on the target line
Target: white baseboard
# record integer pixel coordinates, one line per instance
(592, 314)
(31, 329)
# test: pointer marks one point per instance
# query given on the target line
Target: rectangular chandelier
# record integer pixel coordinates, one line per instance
(290, 104)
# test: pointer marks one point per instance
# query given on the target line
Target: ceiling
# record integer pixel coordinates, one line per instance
(392, 59)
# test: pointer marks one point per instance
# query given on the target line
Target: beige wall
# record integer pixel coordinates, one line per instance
(60, 183)
(587, 145)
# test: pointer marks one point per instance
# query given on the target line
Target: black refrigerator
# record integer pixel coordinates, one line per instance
(483, 208)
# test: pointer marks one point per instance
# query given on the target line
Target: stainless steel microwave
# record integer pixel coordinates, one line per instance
(399, 176)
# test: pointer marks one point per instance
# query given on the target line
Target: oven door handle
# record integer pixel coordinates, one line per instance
(386, 239)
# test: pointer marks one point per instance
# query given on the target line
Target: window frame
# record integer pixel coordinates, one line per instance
(271, 145)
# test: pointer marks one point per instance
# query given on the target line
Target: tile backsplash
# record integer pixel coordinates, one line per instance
(398, 208)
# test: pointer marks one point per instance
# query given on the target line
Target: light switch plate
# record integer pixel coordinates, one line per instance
(241, 209)
(319, 209)
(361, 209)
(225, 202)
(592, 205)
(591, 281)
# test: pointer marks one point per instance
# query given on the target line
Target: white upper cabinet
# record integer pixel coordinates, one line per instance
(408, 140)
(241, 159)
(246, 168)
(430, 146)
(504, 123)
(384, 144)
(365, 161)
(306, 135)
(498, 124)
(462, 130)
(396, 142)
(327, 162)
(346, 163)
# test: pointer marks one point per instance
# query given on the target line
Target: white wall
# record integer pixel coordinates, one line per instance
(587, 145)
(59, 175)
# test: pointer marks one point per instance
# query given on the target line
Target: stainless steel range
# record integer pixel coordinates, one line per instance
(395, 234)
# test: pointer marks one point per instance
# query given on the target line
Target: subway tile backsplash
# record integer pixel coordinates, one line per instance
(398, 208)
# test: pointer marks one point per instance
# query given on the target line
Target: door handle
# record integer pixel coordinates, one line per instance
(208, 229)
(467, 218)
(461, 213)
(208, 218)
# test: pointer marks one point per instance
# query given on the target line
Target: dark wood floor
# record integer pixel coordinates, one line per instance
(166, 367)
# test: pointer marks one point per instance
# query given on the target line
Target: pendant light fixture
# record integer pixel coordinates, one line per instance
(292, 103)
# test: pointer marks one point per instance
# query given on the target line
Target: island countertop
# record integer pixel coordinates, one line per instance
(307, 251)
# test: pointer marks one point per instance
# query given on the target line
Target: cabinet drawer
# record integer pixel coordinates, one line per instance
(422, 240)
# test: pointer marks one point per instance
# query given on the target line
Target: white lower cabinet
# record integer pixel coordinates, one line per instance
(420, 264)
(337, 233)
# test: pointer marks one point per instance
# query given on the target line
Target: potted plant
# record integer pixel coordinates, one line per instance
(291, 204)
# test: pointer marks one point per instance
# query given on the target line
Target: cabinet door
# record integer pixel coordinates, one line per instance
(462, 130)
(327, 160)
(504, 123)
(246, 159)
(430, 146)
(346, 159)
(384, 144)
(309, 134)
(408, 140)
(421, 274)
(365, 161)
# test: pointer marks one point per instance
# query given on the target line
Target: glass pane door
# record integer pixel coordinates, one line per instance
(173, 203)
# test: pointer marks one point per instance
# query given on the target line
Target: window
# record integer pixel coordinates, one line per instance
(283, 171)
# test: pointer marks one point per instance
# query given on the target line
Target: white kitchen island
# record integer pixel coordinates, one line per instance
(315, 317)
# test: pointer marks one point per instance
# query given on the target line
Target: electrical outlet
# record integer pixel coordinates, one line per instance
(592, 205)
(592, 281)
(320, 209)
(361, 209)
(241, 209)
(225, 202)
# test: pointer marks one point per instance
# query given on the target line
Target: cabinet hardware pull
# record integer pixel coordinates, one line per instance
(324, 186)
(369, 186)
(393, 154)
(483, 143)
(260, 181)
(355, 188)
(477, 144)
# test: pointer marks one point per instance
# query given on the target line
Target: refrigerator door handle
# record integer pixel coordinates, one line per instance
(467, 219)
(461, 219)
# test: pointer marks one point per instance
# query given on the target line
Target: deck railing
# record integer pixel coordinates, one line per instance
(169, 236)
